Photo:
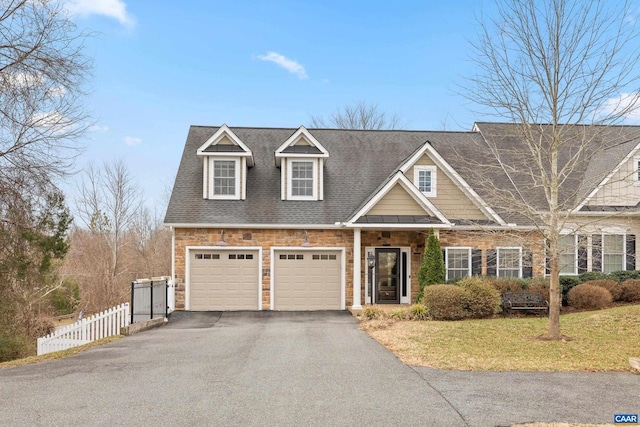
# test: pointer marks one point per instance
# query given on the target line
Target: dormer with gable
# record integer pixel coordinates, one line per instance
(226, 160)
(301, 160)
(436, 180)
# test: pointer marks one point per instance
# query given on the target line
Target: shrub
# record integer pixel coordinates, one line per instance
(12, 346)
(589, 297)
(370, 313)
(621, 276)
(592, 275)
(505, 284)
(432, 270)
(399, 314)
(614, 288)
(541, 287)
(445, 302)
(630, 290)
(483, 300)
(566, 283)
(66, 298)
(418, 312)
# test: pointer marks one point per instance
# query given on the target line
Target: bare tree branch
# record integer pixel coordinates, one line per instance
(360, 115)
(551, 67)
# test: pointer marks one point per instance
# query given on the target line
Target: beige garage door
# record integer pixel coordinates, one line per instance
(223, 280)
(307, 280)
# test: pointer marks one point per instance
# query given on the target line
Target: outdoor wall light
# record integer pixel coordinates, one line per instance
(371, 260)
(305, 240)
(222, 241)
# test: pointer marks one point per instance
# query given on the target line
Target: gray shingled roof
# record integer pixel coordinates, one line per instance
(360, 162)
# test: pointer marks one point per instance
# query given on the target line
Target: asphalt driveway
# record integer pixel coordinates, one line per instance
(270, 368)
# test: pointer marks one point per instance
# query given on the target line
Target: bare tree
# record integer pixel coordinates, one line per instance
(119, 239)
(42, 73)
(550, 67)
(360, 115)
(108, 202)
(43, 69)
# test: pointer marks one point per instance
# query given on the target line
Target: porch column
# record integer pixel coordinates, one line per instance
(357, 259)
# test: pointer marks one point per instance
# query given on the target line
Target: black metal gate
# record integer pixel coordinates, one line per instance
(149, 299)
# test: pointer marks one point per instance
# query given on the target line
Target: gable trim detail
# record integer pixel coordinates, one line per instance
(214, 139)
(301, 132)
(610, 175)
(457, 179)
(401, 179)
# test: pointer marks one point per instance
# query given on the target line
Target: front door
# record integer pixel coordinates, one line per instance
(387, 276)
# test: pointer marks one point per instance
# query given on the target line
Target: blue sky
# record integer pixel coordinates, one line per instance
(161, 66)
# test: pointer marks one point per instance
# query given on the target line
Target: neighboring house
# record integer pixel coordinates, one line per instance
(285, 219)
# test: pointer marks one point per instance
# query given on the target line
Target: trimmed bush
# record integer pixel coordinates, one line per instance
(585, 296)
(593, 275)
(418, 312)
(483, 300)
(445, 302)
(621, 276)
(505, 284)
(612, 286)
(540, 286)
(630, 290)
(566, 284)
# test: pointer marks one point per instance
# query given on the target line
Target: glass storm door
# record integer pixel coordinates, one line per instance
(387, 276)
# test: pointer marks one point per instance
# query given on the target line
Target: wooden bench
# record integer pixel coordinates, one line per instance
(523, 301)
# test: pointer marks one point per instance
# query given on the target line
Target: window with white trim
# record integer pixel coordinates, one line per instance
(458, 262)
(636, 170)
(424, 177)
(302, 184)
(509, 262)
(225, 179)
(568, 254)
(613, 253)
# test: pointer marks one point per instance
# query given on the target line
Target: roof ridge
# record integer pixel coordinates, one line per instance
(338, 129)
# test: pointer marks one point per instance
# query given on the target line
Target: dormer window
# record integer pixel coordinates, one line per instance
(225, 179)
(301, 161)
(226, 160)
(424, 177)
(302, 182)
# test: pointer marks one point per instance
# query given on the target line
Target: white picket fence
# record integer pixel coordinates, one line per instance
(98, 326)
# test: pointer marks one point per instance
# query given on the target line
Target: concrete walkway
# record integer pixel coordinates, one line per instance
(270, 368)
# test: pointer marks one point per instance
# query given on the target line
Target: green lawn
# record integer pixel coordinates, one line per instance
(600, 341)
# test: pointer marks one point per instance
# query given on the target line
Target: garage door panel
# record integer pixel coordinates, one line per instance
(224, 280)
(307, 280)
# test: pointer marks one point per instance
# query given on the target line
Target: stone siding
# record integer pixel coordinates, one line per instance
(265, 238)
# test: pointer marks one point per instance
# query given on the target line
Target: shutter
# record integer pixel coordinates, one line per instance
(596, 252)
(582, 254)
(547, 263)
(492, 262)
(527, 264)
(476, 262)
(631, 252)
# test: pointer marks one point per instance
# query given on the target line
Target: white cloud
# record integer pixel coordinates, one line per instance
(627, 105)
(57, 92)
(20, 80)
(112, 8)
(52, 121)
(288, 64)
(98, 128)
(132, 141)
